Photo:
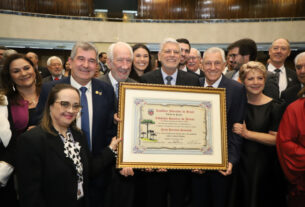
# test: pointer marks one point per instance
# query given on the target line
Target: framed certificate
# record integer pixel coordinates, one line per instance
(172, 127)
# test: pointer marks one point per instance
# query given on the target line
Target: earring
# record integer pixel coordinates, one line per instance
(14, 88)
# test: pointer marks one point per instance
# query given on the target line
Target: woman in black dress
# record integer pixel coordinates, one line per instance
(258, 172)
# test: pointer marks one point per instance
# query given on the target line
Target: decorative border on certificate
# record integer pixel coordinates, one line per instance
(172, 127)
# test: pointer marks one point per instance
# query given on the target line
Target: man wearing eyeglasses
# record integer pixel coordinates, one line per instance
(172, 184)
(193, 62)
(96, 120)
(243, 51)
(211, 188)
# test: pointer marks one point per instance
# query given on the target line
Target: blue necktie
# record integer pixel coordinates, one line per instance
(169, 80)
(85, 115)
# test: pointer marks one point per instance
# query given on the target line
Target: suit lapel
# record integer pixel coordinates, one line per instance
(158, 77)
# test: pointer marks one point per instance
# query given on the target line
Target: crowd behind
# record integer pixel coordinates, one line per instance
(58, 127)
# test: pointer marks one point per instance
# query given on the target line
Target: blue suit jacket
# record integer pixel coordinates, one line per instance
(236, 102)
(103, 109)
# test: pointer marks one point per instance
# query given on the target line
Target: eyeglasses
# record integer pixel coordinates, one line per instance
(67, 105)
(233, 55)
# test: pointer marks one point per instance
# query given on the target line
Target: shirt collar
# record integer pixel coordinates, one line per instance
(78, 86)
(272, 68)
(174, 76)
(112, 80)
(215, 85)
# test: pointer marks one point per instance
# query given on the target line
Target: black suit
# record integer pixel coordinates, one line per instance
(212, 188)
(46, 177)
(292, 78)
(291, 94)
(174, 182)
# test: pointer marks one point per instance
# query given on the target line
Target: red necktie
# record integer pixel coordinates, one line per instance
(56, 78)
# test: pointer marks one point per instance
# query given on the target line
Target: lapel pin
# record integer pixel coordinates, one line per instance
(98, 93)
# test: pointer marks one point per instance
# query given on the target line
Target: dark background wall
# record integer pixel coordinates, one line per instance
(165, 9)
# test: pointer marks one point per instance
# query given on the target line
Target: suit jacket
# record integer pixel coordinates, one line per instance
(44, 72)
(291, 94)
(183, 78)
(46, 177)
(104, 68)
(236, 102)
(105, 78)
(200, 75)
(271, 87)
(292, 78)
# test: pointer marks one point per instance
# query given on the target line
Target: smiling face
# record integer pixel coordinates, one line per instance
(83, 66)
(63, 115)
(169, 56)
(185, 51)
(120, 65)
(55, 67)
(22, 73)
(278, 52)
(140, 59)
(254, 82)
(213, 65)
(194, 59)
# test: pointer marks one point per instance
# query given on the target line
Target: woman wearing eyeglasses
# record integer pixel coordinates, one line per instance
(53, 159)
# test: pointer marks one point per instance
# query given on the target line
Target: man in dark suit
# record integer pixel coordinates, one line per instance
(291, 93)
(102, 61)
(278, 52)
(34, 58)
(211, 188)
(55, 68)
(243, 51)
(193, 63)
(185, 47)
(172, 183)
(100, 109)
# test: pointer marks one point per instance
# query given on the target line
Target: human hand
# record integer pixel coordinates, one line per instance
(228, 171)
(114, 143)
(127, 171)
(200, 172)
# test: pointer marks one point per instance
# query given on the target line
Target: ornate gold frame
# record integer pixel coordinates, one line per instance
(125, 128)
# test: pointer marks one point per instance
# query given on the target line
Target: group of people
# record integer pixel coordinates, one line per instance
(58, 133)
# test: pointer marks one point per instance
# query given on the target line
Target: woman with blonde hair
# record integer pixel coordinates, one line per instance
(257, 175)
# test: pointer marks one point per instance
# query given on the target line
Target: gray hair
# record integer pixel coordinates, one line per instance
(8, 52)
(302, 54)
(112, 46)
(168, 40)
(215, 50)
(84, 46)
(53, 58)
(197, 51)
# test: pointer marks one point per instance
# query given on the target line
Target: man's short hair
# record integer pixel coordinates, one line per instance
(112, 46)
(53, 58)
(84, 46)
(101, 54)
(215, 50)
(246, 47)
(185, 41)
(168, 40)
(302, 54)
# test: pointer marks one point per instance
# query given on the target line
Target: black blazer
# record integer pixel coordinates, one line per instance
(236, 102)
(46, 177)
(183, 78)
(291, 94)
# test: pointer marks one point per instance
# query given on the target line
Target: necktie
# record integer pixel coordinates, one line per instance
(277, 75)
(169, 79)
(210, 86)
(116, 90)
(56, 78)
(85, 115)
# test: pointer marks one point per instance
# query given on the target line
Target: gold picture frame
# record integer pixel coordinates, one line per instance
(172, 127)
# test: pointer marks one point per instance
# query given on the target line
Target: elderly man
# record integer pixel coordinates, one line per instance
(185, 47)
(242, 51)
(291, 93)
(211, 188)
(34, 58)
(97, 100)
(174, 183)
(55, 68)
(193, 63)
(278, 52)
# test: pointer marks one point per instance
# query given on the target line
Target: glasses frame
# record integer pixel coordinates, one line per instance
(75, 108)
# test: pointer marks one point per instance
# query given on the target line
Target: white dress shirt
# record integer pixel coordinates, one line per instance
(282, 76)
(90, 104)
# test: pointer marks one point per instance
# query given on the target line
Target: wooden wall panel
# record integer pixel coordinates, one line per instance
(219, 9)
(57, 7)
